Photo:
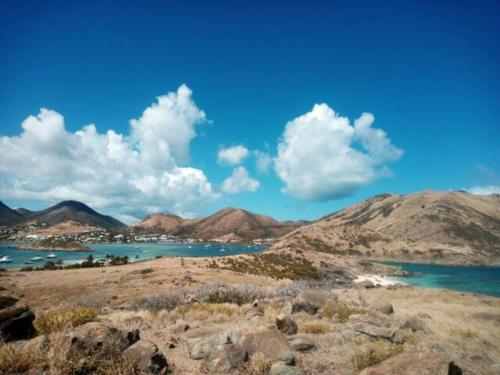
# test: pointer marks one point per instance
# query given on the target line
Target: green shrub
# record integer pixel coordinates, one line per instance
(58, 319)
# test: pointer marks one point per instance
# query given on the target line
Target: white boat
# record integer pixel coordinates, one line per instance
(36, 259)
(5, 259)
(222, 250)
(51, 255)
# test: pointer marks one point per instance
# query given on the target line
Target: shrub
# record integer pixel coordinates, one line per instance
(26, 269)
(56, 320)
(222, 293)
(166, 301)
(16, 361)
(314, 327)
(90, 301)
(6, 301)
(145, 271)
(375, 353)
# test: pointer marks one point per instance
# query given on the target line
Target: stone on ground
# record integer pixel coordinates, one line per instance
(146, 357)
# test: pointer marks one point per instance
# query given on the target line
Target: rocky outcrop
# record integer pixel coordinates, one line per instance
(16, 323)
(146, 357)
(286, 325)
(270, 342)
(304, 306)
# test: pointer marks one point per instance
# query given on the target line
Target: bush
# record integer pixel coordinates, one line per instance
(314, 327)
(166, 301)
(94, 302)
(13, 360)
(222, 293)
(27, 269)
(6, 301)
(56, 320)
(375, 353)
(206, 310)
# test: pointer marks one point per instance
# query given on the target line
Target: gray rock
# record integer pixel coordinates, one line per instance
(146, 357)
(280, 368)
(287, 359)
(374, 331)
(286, 325)
(304, 306)
(226, 357)
(366, 284)
(201, 348)
(272, 343)
(16, 323)
(415, 324)
(302, 344)
(385, 308)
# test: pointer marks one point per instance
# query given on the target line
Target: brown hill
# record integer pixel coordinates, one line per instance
(454, 227)
(229, 221)
(73, 211)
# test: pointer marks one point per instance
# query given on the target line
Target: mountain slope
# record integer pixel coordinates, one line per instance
(76, 212)
(23, 211)
(230, 221)
(447, 226)
(8, 216)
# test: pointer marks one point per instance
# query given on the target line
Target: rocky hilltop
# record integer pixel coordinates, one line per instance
(448, 227)
(234, 222)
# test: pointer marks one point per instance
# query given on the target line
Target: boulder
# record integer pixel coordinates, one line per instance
(411, 363)
(16, 323)
(270, 342)
(304, 306)
(146, 357)
(302, 344)
(288, 359)
(226, 357)
(201, 347)
(384, 308)
(366, 284)
(286, 325)
(280, 368)
(96, 338)
(415, 324)
(375, 331)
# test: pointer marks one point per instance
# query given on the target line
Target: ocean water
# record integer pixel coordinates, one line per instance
(134, 251)
(476, 279)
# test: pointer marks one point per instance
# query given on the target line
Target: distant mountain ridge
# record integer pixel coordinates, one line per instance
(235, 222)
(437, 226)
(62, 212)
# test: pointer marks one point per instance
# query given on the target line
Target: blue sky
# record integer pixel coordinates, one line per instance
(427, 72)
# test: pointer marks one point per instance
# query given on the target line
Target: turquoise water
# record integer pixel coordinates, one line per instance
(134, 251)
(484, 280)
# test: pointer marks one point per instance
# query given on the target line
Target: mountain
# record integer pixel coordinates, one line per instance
(453, 227)
(8, 216)
(69, 211)
(23, 211)
(231, 223)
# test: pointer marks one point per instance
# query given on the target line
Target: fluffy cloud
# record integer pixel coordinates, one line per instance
(239, 181)
(323, 156)
(135, 173)
(232, 155)
(484, 190)
(262, 161)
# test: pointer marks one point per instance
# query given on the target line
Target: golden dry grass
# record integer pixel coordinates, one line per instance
(375, 353)
(202, 311)
(315, 327)
(58, 319)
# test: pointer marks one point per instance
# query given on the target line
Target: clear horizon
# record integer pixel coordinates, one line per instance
(292, 112)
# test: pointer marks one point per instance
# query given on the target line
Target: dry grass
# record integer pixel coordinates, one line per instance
(15, 361)
(259, 364)
(342, 311)
(375, 353)
(315, 327)
(56, 320)
(203, 311)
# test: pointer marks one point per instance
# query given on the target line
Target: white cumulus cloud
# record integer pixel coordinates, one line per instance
(232, 155)
(322, 156)
(484, 190)
(239, 181)
(133, 173)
